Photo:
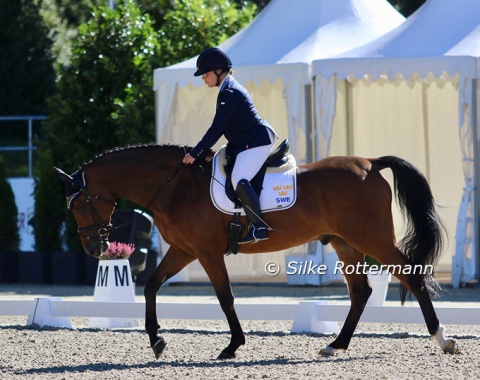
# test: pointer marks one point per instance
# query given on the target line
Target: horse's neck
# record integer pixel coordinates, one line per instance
(153, 179)
(137, 181)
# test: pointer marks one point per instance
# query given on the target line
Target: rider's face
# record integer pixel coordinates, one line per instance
(210, 79)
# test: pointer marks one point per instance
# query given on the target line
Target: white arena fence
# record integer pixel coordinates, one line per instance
(309, 316)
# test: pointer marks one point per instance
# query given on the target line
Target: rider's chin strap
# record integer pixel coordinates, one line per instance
(219, 75)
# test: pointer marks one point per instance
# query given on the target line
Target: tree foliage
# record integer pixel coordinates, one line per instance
(105, 95)
(49, 208)
(407, 7)
(27, 75)
(104, 99)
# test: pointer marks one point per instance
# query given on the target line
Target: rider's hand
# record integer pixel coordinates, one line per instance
(188, 159)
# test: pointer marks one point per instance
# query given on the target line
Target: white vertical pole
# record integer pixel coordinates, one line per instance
(111, 4)
(476, 141)
(309, 120)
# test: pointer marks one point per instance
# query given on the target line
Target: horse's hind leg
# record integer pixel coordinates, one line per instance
(416, 285)
(359, 290)
(172, 263)
(217, 273)
(436, 330)
(392, 257)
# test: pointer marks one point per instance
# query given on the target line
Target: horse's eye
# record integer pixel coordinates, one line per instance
(81, 208)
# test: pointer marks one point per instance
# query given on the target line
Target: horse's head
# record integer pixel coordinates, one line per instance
(92, 212)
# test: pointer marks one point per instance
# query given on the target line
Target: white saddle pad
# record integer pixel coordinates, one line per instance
(279, 186)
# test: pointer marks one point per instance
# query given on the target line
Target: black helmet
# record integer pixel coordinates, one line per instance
(212, 59)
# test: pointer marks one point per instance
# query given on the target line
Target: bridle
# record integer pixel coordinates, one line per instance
(102, 229)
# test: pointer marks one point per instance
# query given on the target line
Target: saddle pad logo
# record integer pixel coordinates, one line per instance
(285, 194)
(279, 187)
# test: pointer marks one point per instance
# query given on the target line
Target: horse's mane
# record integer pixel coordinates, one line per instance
(180, 148)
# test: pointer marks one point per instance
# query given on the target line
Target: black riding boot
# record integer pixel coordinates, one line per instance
(257, 230)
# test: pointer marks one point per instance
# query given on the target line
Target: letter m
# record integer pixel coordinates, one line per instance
(121, 277)
(102, 277)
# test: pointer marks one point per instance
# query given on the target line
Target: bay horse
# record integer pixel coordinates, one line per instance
(341, 200)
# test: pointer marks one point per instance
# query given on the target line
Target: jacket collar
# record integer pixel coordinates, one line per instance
(228, 79)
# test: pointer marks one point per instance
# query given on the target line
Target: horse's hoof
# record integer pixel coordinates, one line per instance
(451, 348)
(330, 351)
(225, 355)
(158, 347)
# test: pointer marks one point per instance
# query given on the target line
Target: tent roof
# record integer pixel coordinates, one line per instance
(287, 36)
(443, 36)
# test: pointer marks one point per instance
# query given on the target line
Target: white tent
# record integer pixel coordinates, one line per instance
(413, 92)
(272, 58)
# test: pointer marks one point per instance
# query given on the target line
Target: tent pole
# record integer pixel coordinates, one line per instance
(313, 248)
(476, 162)
(426, 127)
(349, 108)
(309, 126)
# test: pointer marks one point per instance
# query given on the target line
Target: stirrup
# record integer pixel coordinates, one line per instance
(254, 235)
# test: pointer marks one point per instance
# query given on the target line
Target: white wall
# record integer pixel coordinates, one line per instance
(23, 190)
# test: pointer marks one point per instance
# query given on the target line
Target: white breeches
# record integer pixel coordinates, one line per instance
(249, 162)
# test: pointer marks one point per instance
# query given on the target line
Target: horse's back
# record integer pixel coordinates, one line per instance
(340, 167)
(341, 186)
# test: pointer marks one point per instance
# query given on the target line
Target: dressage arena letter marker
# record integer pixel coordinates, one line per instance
(102, 276)
(114, 284)
(123, 277)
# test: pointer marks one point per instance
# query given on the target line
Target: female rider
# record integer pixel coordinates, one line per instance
(250, 138)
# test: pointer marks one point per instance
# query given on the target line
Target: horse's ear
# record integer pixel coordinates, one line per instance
(66, 179)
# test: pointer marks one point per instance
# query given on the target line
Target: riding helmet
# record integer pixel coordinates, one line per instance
(212, 59)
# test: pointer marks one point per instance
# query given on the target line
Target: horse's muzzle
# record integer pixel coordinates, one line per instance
(98, 249)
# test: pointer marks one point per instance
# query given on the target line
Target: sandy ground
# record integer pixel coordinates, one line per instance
(377, 351)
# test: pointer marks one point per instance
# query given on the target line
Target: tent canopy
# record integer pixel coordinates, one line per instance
(441, 37)
(413, 91)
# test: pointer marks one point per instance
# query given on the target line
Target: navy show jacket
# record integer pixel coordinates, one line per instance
(237, 119)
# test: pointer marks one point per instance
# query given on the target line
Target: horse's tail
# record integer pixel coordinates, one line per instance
(423, 241)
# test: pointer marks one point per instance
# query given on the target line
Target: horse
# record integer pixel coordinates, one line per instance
(344, 201)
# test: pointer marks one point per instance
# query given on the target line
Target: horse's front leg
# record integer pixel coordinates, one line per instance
(359, 290)
(172, 263)
(217, 273)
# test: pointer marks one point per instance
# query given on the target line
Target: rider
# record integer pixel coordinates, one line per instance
(250, 138)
